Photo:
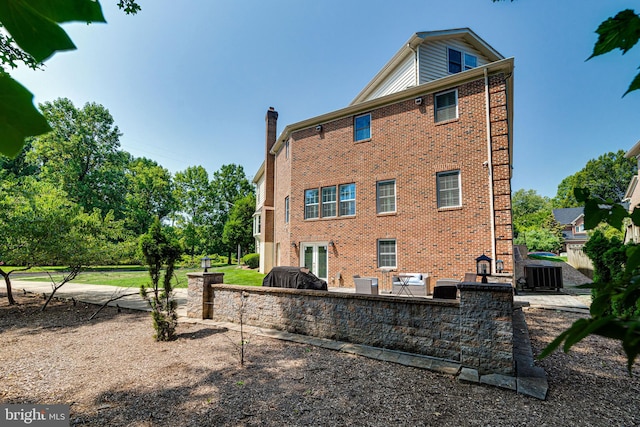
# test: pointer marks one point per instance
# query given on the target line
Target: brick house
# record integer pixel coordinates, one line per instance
(413, 176)
(573, 231)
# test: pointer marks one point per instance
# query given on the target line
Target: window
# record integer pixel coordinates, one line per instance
(459, 61)
(386, 196)
(286, 210)
(347, 199)
(362, 127)
(580, 228)
(448, 184)
(470, 61)
(387, 253)
(446, 105)
(329, 202)
(256, 225)
(286, 149)
(311, 204)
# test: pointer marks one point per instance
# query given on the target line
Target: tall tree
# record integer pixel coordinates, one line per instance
(82, 155)
(238, 230)
(228, 185)
(606, 177)
(150, 194)
(192, 196)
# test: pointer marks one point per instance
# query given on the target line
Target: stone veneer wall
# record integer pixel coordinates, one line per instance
(474, 330)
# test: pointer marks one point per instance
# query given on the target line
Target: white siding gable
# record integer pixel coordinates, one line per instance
(402, 77)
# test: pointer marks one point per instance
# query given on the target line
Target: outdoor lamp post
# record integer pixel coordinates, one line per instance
(483, 267)
(499, 266)
(205, 263)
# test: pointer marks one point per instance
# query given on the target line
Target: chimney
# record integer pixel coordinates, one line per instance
(272, 122)
(269, 176)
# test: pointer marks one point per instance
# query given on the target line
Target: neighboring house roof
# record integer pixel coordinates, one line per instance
(567, 216)
(409, 51)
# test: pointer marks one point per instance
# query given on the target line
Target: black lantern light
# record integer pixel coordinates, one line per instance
(205, 263)
(483, 267)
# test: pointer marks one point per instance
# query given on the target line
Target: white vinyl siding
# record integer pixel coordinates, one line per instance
(434, 61)
(404, 76)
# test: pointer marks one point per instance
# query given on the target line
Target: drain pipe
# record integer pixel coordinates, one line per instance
(490, 170)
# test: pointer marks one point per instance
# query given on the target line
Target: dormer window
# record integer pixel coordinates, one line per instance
(461, 61)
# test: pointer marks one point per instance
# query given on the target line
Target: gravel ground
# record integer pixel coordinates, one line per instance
(112, 373)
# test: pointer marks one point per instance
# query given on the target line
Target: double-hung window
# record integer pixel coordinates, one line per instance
(311, 209)
(329, 202)
(387, 253)
(448, 185)
(362, 127)
(446, 106)
(386, 196)
(460, 61)
(347, 199)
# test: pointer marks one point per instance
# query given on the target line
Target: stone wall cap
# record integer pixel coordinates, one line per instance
(485, 287)
(202, 274)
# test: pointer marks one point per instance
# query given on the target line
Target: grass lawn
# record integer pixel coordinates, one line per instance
(135, 277)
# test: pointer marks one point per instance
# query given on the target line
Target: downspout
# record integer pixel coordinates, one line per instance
(490, 170)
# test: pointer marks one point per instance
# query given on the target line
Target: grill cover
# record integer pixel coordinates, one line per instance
(293, 277)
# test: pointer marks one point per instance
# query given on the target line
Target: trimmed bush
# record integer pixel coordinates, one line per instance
(251, 260)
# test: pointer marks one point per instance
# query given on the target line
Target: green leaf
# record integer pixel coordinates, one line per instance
(581, 194)
(635, 216)
(620, 32)
(33, 23)
(635, 85)
(69, 10)
(18, 117)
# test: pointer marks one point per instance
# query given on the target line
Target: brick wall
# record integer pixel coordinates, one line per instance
(408, 146)
(475, 330)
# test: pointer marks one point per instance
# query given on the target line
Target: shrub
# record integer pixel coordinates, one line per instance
(251, 260)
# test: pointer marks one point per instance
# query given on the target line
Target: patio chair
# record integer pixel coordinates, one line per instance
(366, 285)
(470, 277)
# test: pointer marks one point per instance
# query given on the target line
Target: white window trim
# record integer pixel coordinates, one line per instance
(395, 195)
(435, 105)
(459, 188)
(395, 241)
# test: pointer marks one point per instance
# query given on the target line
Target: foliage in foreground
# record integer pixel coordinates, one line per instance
(615, 310)
(161, 253)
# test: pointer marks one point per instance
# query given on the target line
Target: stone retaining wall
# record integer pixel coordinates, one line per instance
(475, 330)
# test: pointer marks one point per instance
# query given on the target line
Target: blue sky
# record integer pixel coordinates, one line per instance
(189, 83)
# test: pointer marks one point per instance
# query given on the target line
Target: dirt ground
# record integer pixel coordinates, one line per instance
(112, 373)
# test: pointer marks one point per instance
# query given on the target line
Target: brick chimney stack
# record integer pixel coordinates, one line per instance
(271, 120)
